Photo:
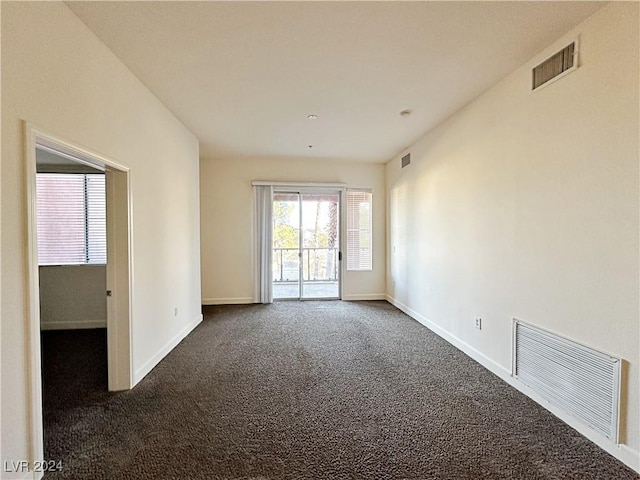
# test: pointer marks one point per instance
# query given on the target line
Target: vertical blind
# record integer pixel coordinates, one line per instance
(359, 237)
(71, 211)
(263, 243)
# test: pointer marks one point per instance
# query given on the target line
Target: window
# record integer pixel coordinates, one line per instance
(359, 248)
(72, 227)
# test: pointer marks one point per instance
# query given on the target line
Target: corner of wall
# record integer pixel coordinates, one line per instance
(144, 370)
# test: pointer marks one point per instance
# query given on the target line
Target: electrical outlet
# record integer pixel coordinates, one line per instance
(479, 323)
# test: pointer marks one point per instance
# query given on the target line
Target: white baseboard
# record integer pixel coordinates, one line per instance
(479, 357)
(630, 457)
(227, 301)
(141, 372)
(247, 300)
(72, 325)
(28, 475)
(622, 452)
(365, 296)
(625, 454)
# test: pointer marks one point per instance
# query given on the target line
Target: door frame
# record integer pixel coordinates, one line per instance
(119, 271)
(300, 190)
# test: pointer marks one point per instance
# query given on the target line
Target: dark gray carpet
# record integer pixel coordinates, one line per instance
(303, 390)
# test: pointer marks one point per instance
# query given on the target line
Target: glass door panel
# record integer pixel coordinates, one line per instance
(320, 245)
(286, 245)
(306, 245)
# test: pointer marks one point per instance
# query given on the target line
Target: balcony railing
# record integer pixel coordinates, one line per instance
(318, 264)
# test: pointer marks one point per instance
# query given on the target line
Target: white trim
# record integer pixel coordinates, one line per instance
(68, 156)
(228, 301)
(630, 457)
(364, 296)
(625, 454)
(149, 365)
(576, 58)
(119, 280)
(298, 184)
(479, 357)
(322, 188)
(36, 434)
(73, 325)
(29, 475)
(36, 138)
(74, 152)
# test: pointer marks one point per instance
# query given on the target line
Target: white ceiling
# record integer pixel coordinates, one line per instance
(243, 76)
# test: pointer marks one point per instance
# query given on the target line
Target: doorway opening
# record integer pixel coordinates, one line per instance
(306, 245)
(64, 169)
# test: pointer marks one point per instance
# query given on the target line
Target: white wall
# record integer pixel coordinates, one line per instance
(73, 296)
(226, 199)
(59, 76)
(526, 205)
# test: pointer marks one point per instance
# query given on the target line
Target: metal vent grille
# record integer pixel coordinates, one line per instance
(579, 380)
(406, 160)
(561, 62)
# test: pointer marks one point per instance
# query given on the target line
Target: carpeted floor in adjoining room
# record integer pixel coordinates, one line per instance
(303, 390)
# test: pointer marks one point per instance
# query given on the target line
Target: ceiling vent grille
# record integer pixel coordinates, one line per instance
(563, 62)
(406, 160)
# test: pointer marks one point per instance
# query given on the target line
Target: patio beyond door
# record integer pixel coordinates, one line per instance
(306, 245)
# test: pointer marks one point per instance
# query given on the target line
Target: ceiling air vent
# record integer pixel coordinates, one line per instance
(563, 62)
(406, 160)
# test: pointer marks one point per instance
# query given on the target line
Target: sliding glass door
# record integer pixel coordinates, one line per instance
(320, 245)
(306, 245)
(286, 245)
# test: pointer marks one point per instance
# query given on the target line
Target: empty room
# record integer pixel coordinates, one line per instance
(320, 240)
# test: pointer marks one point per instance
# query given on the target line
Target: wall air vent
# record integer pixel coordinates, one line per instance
(563, 62)
(579, 380)
(406, 160)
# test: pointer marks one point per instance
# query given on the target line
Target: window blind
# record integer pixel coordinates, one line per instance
(359, 235)
(96, 205)
(71, 211)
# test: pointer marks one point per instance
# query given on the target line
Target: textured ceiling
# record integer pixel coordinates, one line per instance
(243, 76)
